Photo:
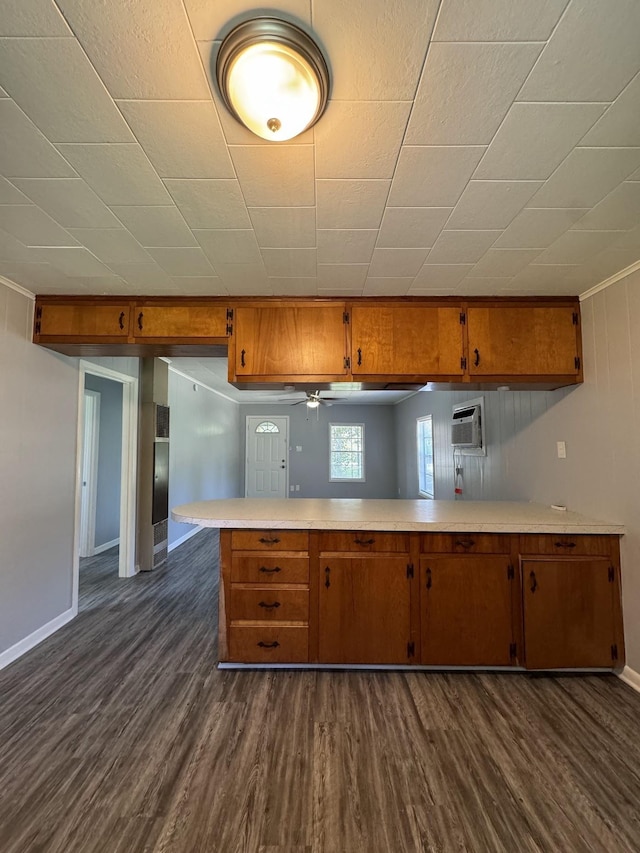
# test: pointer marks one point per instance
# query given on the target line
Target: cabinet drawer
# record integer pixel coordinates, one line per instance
(566, 545)
(270, 540)
(269, 643)
(364, 541)
(269, 604)
(269, 568)
(465, 543)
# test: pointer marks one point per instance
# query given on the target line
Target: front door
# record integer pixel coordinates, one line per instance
(267, 457)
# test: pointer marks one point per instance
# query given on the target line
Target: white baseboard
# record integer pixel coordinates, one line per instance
(184, 538)
(105, 547)
(20, 648)
(631, 677)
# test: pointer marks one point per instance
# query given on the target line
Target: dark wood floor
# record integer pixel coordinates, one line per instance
(119, 735)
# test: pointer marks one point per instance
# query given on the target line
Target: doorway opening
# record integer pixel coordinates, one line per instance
(267, 457)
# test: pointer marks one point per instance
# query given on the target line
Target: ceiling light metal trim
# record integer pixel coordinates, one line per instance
(268, 30)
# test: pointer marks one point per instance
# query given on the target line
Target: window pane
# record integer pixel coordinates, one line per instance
(346, 447)
(267, 426)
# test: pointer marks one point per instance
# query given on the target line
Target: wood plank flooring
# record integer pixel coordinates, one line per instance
(119, 735)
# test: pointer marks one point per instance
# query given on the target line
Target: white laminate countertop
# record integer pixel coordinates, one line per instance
(407, 515)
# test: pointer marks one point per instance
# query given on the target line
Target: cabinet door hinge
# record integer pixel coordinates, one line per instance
(410, 570)
(347, 361)
(614, 652)
(39, 312)
(576, 361)
(345, 317)
(229, 321)
(513, 651)
(510, 572)
(575, 318)
(463, 363)
(612, 574)
(463, 318)
(411, 650)
(37, 328)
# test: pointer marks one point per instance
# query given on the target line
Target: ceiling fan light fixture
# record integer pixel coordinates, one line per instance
(312, 403)
(272, 77)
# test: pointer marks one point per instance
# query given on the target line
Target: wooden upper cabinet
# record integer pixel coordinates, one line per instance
(87, 321)
(190, 323)
(403, 340)
(286, 341)
(524, 341)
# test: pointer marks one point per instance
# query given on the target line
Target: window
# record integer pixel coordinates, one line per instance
(267, 426)
(346, 450)
(425, 456)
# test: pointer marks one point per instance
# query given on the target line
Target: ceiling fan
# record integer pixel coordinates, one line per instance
(313, 400)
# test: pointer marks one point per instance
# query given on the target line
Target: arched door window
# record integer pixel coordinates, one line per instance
(267, 426)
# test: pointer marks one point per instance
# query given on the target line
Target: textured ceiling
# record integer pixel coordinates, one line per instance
(469, 147)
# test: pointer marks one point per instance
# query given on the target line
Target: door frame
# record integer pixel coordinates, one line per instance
(128, 469)
(89, 493)
(246, 448)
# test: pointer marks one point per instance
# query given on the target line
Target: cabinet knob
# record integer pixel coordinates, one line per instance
(465, 543)
(364, 541)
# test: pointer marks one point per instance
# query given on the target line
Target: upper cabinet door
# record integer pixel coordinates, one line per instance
(524, 341)
(87, 321)
(187, 322)
(289, 341)
(405, 340)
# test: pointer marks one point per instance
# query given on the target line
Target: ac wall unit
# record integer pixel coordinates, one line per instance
(467, 427)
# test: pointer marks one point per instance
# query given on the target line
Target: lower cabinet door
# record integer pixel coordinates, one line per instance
(569, 613)
(466, 611)
(364, 613)
(269, 643)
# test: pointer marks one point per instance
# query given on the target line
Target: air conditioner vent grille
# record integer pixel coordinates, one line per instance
(162, 421)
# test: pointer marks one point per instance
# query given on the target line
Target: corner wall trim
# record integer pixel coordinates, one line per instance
(609, 281)
(630, 677)
(23, 646)
(184, 538)
(8, 283)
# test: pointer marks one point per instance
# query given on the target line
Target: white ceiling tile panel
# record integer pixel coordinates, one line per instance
(98, 284)
(364, 33)
(71, 260)
(576, 247)
(70, 201)
(183, 139)
(537, 228)
(466, 90)
(119, 174)
(156, 226)
(483, 286)
(25, 152)
(293, 286)
(275, 175)
(346, 247)
(284, 227)
(211, 20)
(244, 275)
(433, 176)
(210, 203)
(376, 152)
(391, 286)
(537, 278)
(232, 246)
(111, 245)
(591, 56)
(349, 276)
(342, 291)
(619, 126)
(12, 249)
(189, 285)
(9, 194)
(497, 20)
(140, 49)
(440, 276)
(620, 210)
(289, 262)
(635, 176)
(32, 18)
(351, 204)
(535, 138)
(412, 227)
(491, 204)
(461, 247)
(586, 177)
(55, 84)
(33, 227)
(143, 278)
(501, 263)
(389, 263)
(3, 94)
(186, 261)
(43, 277)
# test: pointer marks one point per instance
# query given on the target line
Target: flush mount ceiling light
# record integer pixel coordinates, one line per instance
(272, 78)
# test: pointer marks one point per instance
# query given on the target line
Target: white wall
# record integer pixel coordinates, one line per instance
(107, 522)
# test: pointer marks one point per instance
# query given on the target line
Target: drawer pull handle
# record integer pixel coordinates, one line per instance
(564, 544)
(265, 541)
(534, 581)
(364, 541)
(273, 645)
(267, 571)
(242, 361)
(327, 577)
(465, 543)
(121, 320)
(140, 316)
(428, 578)
(476, 360)
(269, 606)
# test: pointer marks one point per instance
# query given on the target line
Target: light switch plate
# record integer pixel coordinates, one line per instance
(562, 450)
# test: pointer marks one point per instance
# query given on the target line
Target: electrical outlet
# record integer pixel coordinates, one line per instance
(298, 448)
(562, 449)
(291, 488)
(297, 488)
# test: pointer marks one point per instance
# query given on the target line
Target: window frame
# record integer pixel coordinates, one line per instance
(423, 493)
(361, 479)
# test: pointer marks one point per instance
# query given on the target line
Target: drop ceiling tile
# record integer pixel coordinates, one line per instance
(143, 278)
(628, 240)
(396, 262)
(461, 247)
(556, 129)
(3, 94)
(466, 90)
(210, 20)
(289, 262)
(72, 260)
(576, 247)
(348, 276)
(591, 56)
(433, 175)
(12, 249)
(210, 203)
(586, 177)
(183, 139)
(10, 194)
(482, 286)
(293, 286)
(119, 174)
(440, 276)
(244, 279)
(619, 211)
(411, 227)
(501, 263)
(375, 154)
(275, 176)
(537, 228)
(55, 84)
(635, 176)
(191, 261)
(337, 246)
(360, 33)
(156, 226)
(341, 291)
(497, 20)
(392, 286)
(189, 285)
(140, 50)
(33, 276)
(109, 245)
(70, 201)
(541, 277)
(491, 204)
(32, 18)
(32, 227)
(24, 151)
(232, 246)
(97, 285)
(284, 227)
(619, 126)
(351, 204)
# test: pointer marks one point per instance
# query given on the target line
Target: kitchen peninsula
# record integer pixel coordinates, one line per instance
(414, 583)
